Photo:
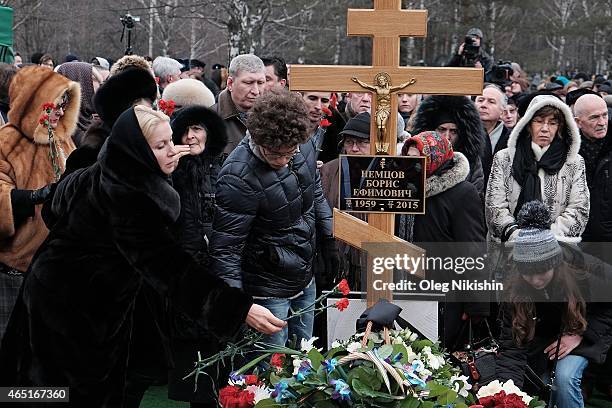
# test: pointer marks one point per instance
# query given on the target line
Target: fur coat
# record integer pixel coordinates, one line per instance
(565, 193)
(24, 156)
(73, 323)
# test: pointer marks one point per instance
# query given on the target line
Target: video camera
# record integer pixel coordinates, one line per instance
(500, 74)
(128, 21)
(470, 50)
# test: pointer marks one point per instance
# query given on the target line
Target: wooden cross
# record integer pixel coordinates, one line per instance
(386, 23)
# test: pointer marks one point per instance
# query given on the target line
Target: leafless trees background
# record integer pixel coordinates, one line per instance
(542, 35)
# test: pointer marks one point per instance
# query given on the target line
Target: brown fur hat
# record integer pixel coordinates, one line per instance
(131, 61)
(30, 89)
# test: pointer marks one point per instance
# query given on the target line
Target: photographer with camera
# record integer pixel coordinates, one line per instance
(470, 53)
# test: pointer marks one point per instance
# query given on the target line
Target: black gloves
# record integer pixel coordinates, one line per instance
(329, 252)
(24, 201)
(39, 196)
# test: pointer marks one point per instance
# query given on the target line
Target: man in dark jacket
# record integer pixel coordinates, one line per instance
(245, 83)
(596, 148)
(270, 212)
(474, 55)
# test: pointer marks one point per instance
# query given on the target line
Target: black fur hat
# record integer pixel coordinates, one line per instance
(463, 112)
(216, 137)
(120, 90)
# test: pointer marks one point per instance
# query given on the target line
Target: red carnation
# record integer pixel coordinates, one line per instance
(333, 102)
(251, 379)
(233, 397)
(326, 110)
(342, 304)
(48, 106)
(43, 119)
(343, 287)
(514, 401)
(277, 360)
(167, 106)
(325, 123)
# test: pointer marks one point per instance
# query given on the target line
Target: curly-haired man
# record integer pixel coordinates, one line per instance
(271, 213)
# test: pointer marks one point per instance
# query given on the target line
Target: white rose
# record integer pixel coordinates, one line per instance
(460, 385)
(307, 345)
(490, 389)
(353, 347)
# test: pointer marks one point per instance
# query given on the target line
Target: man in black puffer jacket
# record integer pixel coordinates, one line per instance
(270, 213)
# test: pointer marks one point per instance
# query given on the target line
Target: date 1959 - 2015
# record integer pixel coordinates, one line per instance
(34, 394)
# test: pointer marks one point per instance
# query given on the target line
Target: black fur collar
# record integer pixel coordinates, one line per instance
(471, 134)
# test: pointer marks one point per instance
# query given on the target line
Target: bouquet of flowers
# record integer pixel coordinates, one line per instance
(55, 152)
(508, 395)
(403, 371)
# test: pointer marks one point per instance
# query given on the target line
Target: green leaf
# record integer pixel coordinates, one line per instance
(274, 379)
(448, 397)
(418, 345)
(325, 404)
(368, 376)
(252, 363)
(410, 403)
(315, 358)
(400, 348)
(436, 390)
(365, 391)
(266, 403)
(385, 351)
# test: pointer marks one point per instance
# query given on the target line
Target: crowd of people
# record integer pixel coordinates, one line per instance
(148, 212)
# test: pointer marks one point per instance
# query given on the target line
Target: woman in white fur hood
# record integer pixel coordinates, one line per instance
(542, 163)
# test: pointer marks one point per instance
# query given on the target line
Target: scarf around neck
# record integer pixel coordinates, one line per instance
(525, 167)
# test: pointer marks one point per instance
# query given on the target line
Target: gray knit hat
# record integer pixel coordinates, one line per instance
(536, 249)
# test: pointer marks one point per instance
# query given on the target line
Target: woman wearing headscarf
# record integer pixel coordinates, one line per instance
(541, 163)
(131, 82)
(453, 216)
(26, 169)
(195, 180)
(90, 81)
(73, 322)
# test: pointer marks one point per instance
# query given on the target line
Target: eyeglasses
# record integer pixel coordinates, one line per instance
(278, 155)
(360, 143)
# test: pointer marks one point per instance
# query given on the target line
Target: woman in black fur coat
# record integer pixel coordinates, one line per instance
(195, 180)
(437, 110)
(73, 321)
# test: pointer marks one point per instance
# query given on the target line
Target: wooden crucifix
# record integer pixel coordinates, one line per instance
(386, 23)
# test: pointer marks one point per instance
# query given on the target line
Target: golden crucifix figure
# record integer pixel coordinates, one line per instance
(382, 87)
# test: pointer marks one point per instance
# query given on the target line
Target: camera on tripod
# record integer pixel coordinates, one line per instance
(129, 21)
